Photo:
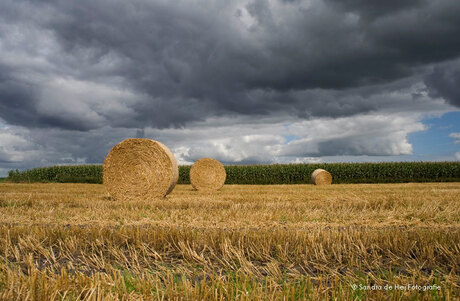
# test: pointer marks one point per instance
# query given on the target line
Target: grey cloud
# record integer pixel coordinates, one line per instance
(227, 79)
(26, 148)
(235, 141)
(16, 105)
(186, 62)
(444, 82)
(355, 146)
(140, 133)
(373, 135)
(374, 9)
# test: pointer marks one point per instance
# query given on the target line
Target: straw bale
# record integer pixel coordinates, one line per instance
(207, 174)
(321, 177)
(140, 169)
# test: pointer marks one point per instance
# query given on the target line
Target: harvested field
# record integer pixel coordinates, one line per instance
(249, 242)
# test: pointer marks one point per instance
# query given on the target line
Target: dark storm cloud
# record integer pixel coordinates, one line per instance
(187, 61)
(374, 8)
(18, 106)
(444, 81)
(16, 102)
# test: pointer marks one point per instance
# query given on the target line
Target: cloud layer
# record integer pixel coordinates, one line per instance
(360, 75)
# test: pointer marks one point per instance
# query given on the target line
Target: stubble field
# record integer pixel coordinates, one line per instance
(349, 241)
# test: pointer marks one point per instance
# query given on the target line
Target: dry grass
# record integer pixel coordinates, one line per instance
(69, 241)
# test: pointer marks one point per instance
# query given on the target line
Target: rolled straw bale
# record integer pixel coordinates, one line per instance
(321, 177)
(207, 174)
(140, 169)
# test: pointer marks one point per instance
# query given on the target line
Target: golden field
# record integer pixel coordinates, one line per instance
(244, 242)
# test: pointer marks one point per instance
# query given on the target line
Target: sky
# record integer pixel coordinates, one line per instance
(244, 82)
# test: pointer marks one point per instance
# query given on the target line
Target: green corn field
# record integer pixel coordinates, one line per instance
(393, 172)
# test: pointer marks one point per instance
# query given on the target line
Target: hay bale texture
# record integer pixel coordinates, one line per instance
(140, 169)
(207, 174)
(321, 177)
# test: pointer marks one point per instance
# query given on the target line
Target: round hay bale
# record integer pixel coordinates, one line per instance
(207, 174)
(321, 177)
(140, 169)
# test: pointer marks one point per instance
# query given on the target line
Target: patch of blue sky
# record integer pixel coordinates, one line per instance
(435, 141)
(289, 138)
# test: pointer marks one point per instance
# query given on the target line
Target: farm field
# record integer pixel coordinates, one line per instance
(245, 242)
